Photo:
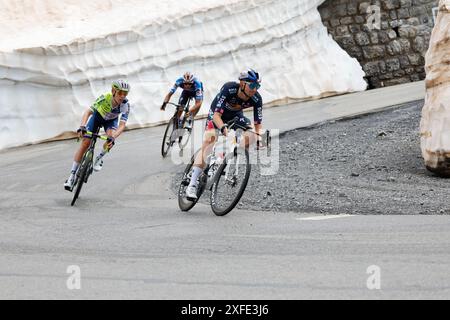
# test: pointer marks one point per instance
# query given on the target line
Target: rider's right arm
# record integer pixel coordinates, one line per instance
(178, 83)
(86, 116)
(167, 98)
(217, 119)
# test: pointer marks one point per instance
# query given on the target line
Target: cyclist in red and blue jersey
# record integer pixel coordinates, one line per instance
(232, 99)
(192, 88)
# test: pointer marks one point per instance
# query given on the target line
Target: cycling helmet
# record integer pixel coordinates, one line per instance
(188, 77)
(250, 76)
(121, 85)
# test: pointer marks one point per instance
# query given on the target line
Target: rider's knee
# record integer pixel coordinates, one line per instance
(209, 137)
(85, 143)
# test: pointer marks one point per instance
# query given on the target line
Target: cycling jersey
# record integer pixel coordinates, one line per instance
(230, 105)
(103, 105)
(197, 88)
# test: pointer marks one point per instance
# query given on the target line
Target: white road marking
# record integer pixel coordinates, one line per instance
(325, 217)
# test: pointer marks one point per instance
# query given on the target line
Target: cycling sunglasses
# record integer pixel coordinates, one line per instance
(254, 85)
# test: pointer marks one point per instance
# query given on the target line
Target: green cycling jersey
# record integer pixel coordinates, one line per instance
(103, 105)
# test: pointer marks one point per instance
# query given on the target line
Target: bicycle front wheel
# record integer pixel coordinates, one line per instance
(230, 181)
(185, 135)
(183, 202)
(168, 137)
(82, 174)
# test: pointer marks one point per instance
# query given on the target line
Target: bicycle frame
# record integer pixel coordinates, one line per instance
(181, 108)
(89, 151)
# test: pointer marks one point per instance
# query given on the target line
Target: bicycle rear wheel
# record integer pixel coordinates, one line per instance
(168, 139)
(82, 174)
(183, 202)
(230, 181)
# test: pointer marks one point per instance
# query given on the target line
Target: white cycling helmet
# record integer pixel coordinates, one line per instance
(121, 85)
(188, 77)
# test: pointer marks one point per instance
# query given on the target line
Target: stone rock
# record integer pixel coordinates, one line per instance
(397, 81)
(435, 122)
(352, 8)
(354, 28)
(374, 52)
(371, 68)
(373, 37)
(414, 59)
(405, 3)
(404, 61)
(399, 73)
(394, 48)
(340, 10)
(363, 7)
(346, 20)
(382, 65)
(342, 30)
(390, 4)
(362, 39)
(360, 19)
(419, 45)
(407, 31)
(392, 64)
(403, 13)
(345, 40)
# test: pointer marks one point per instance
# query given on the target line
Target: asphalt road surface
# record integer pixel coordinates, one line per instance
(126, 239)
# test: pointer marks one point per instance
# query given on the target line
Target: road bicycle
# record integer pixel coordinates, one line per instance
(226, 172)
(176, 130)
(86, 166)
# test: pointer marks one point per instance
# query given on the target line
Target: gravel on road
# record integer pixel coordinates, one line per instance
(370, 164)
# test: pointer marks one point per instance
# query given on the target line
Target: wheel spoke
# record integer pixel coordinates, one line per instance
(231, 182)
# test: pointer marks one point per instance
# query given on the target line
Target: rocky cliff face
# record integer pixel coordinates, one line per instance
(435, 122)
(388, 37)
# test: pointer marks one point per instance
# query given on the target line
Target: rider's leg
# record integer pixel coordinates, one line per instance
(182, 102)
(92, 125)
(199, 163)
(68, 185)
(110, 129)
(196, 108)
(79, 155)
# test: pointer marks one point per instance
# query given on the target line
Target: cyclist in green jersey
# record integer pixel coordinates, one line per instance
(104, 113)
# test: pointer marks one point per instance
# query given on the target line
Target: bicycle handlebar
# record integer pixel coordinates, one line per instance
(266, 134)
(90, 134)
(176, 105)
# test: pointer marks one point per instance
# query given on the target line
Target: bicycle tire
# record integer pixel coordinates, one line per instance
(184, 204)
(218, 176)
(184, 138)
(166, 140)
(82, 178)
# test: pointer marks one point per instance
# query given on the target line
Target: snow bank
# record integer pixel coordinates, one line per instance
(435, 122)
(57, 56)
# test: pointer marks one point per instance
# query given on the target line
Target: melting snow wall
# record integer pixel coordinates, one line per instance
(45, 88)
(435, 122)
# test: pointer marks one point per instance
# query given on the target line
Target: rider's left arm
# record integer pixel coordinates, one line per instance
(119, 131)
(258, 129)
(196, 107)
